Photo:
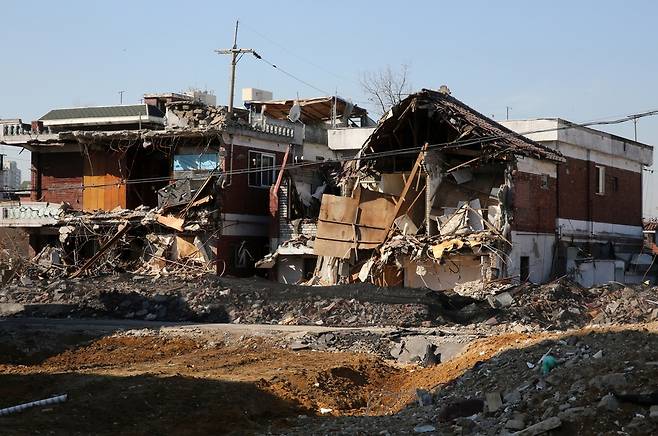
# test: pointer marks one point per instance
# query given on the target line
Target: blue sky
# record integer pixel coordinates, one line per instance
(578, 60)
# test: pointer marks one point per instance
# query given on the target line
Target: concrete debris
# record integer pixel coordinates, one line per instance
(541, 427)
(425, 428)
(173, 296)
(424, 397)
(416, 349)
(515, 424)
(564, 304)
(174, 239)
(609, 402)
(653, 412)
(493, 402)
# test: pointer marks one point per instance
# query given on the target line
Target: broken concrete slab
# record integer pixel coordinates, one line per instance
(504, 299)
(540, 427)
(416, 349)
(492, 401)
(8, 309)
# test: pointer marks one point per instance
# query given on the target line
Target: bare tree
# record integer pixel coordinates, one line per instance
(386, 87)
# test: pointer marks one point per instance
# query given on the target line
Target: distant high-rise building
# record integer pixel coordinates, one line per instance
(10, 176)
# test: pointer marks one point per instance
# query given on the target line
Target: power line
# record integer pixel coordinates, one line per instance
(294, 77)
(287, 50)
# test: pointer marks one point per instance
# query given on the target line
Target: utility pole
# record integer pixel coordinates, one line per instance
(507, 108)
(234, 52)
(635, 127)
(121, 96)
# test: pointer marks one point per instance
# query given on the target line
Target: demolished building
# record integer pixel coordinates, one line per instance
(167, 189)
(433, 200)
(440, 196)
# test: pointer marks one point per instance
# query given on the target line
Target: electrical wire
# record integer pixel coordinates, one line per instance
(357, 157)
(290, 52)
(293, 76)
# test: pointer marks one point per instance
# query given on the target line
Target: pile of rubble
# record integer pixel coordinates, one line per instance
(213, 299)
(595, 382)
(194, 115)
(564, 304)
(177, 237)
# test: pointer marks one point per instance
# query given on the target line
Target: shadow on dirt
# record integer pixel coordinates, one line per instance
(140, 405)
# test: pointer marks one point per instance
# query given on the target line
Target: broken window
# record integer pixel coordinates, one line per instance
(265, 163)
(600, 180)
(525, 268)
(195, 162)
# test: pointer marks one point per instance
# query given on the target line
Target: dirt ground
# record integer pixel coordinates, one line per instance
(149, 382)
(156, 384)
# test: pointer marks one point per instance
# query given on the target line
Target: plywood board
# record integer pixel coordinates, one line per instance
(345, 223)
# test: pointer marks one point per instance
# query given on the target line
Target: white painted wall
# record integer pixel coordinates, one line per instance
(539, 248)
(351, 138)
(605, 148)
(441, 277)
(535, 166)
(599, 272)
(311, 152)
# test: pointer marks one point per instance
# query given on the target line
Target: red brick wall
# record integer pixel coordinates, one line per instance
(239, 197)
(60, 177)
(535, 203)
(578, 199)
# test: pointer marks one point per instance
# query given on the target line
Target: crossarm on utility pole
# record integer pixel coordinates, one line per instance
(234, 52)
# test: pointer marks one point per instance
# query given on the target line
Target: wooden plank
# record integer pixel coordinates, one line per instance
(345, 224)
(336, 231)
(399, 210)
(324, 247)
(338, 209)
(376, 212)
(171, 221)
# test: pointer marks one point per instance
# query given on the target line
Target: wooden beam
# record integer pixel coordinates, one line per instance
(405, 190)
(123, 228)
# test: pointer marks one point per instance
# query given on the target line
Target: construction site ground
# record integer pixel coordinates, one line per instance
(133, 377)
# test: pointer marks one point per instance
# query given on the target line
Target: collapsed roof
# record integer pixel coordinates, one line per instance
(445, 123)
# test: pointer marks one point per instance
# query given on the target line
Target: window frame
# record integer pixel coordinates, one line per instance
(260, 173)
(600, 179)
